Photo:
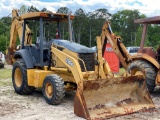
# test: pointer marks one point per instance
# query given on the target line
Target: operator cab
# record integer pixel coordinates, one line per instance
(48, 27)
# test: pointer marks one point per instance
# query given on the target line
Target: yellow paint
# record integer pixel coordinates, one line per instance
(36, 77)
(157, 82)
(18, 77)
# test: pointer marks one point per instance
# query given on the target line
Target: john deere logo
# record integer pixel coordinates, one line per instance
(69, 62)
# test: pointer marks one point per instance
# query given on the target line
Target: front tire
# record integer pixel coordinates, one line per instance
(145, 68)
(19, 78)
(53, 89)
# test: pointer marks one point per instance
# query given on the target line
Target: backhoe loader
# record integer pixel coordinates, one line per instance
(58, 65)
(145, 62)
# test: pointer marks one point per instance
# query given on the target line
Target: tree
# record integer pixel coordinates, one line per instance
(44, 10)
(23, 9)
(2, 28)
(153, 36)
(95, 21)
(63, 10)
(32, 9)
(102, 13)
(139, 35)
(123, 24)
(80, 17)
(64, 25)
(3, 40)
(5, 23)
(34, 24)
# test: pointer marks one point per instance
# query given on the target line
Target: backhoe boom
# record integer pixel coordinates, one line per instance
(116, 44)
(16, 28)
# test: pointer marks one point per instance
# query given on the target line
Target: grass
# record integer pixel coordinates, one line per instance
(5, 73)
(5, 77)
(121, 70)
(5, 82)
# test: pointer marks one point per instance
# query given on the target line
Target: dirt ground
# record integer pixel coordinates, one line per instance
(34, 107)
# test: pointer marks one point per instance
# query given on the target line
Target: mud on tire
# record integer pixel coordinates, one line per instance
(146, 68)
(19, 78)
(53, 89)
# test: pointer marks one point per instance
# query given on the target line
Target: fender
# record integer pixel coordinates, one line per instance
(141, 56)
(26, 56)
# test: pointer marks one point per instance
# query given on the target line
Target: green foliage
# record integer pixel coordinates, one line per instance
(78, 24)
(87, 26)
(3, 40)
(23, 9)
(2, 27)
(44, 10)
(6, 21)
(64, 10)
(123, 23)
(64, 25)
(4, 32)
(153, 36)
(138, 35)
(32, 9)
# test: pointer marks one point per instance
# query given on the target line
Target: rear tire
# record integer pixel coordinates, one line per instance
(2, 65)
(147, 70)
(53, 89)
(19, 78)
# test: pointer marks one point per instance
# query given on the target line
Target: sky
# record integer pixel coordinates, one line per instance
(148, 7)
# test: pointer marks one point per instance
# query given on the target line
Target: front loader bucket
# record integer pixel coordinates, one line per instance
(101, 99)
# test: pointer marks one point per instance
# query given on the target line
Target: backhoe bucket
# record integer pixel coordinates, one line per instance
(101, 99)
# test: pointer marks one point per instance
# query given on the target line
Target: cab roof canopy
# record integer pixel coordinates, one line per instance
(150, 20)
(47, 16)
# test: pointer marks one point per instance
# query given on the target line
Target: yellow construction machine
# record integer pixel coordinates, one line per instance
(145, 62)
(58, 65)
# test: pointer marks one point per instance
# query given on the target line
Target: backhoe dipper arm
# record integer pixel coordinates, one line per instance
(116, 44)
(16, 28)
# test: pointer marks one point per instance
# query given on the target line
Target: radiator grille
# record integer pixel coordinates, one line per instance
(89, 60)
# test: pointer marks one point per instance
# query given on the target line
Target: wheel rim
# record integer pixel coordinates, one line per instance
(49, 89)
(18, 77)
(137, 72)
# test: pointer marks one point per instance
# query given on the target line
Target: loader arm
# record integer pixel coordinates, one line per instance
(16, 28)
(75, 69)
(116, 44)
(97, 98)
